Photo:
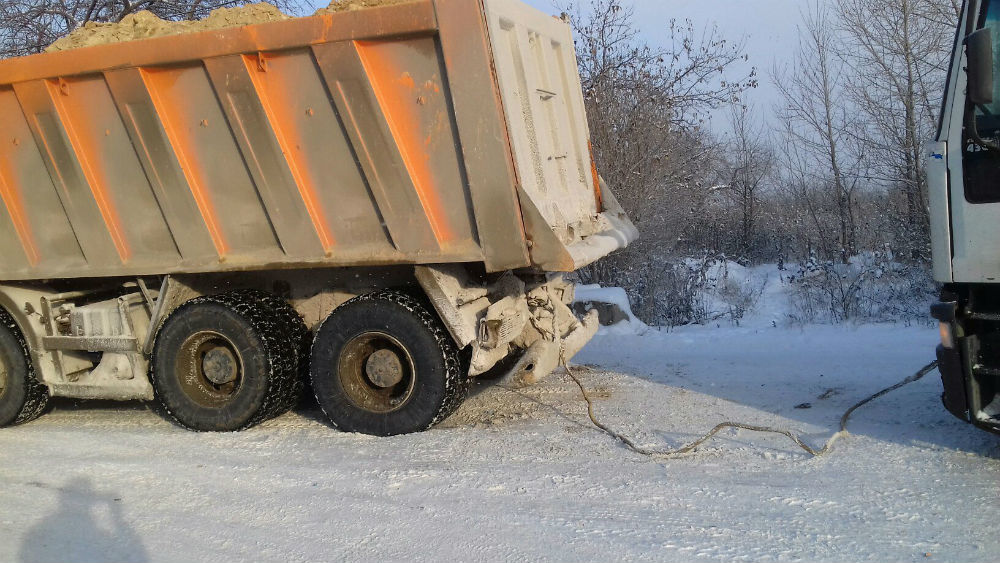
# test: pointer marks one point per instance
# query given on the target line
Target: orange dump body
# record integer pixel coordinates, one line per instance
(367, 137)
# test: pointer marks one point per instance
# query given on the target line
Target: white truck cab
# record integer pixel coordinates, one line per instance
(963, 172)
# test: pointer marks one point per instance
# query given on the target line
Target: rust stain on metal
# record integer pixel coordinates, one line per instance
(403, 121)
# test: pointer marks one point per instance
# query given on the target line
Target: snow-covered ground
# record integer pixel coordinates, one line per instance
(520, 475)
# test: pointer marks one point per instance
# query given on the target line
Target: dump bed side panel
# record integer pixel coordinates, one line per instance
(332, 140)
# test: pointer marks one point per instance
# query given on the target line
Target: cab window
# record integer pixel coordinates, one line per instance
(982, 165)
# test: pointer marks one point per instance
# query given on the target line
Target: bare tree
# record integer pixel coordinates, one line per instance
(644, 105)
(29, 26)
(749, 162)
(820, 124)
(898, 51)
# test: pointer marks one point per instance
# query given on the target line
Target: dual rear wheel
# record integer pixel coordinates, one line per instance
(380, 364)
(228, 362)
(383, 364)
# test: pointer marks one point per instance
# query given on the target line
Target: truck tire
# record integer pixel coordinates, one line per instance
(297, 335)
(225, 363)
(22, 396)
(383, 364)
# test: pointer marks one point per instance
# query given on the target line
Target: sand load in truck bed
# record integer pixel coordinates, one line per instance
(355, 137)
(145, 24)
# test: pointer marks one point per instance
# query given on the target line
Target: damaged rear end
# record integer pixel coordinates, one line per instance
(570, 216)
(295, 176)
(525, 316)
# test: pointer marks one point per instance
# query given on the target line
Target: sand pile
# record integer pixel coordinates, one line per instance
(345, 5)
(143, 25)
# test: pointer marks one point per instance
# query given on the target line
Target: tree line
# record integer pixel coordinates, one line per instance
(836, 176)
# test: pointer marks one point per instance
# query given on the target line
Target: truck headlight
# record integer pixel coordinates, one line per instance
(947, 335)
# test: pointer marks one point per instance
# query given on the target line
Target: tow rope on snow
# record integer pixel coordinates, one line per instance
(728, 424)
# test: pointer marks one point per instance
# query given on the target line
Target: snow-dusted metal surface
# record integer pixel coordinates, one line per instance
(570, 215)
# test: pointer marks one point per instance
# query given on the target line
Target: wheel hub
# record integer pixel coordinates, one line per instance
(220, 366)
(384, 368)
(210, 368)
(377, 372)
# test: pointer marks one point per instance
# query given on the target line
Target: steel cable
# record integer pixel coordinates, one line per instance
(631, 445)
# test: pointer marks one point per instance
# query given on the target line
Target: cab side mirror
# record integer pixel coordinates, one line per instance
(979, 51)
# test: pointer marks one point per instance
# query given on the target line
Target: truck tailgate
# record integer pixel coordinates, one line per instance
(540, 89)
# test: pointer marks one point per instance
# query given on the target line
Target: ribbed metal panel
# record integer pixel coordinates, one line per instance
(536, 66)
(337, 152)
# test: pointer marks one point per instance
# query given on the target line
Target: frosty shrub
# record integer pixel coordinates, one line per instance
(673, 293)
(738, 297)
(726, 289)
(665, 293)
(871, 287)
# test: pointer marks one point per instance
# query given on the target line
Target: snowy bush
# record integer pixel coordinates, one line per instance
(871, 287)
(693, 291)
(665, 294)
(727, 291)
(739, 298)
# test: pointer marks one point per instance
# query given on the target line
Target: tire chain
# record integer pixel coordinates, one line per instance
(456, 383)
(37, 396)
(279, 350)
(296, 333)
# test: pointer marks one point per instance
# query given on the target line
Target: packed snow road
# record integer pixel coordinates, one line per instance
(520, 475)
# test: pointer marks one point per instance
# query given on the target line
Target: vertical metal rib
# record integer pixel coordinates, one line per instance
(276, 110)
(180, 146)
(85, 156)
(84, 217)
(402, 123)
(372, 139)
(163, 172)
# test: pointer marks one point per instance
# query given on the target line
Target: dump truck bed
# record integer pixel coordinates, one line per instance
(439, 131)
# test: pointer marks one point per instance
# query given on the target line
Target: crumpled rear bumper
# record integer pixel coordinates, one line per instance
(544, 356)
(527, 314)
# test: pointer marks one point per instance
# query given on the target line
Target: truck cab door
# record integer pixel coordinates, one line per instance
(975, 203)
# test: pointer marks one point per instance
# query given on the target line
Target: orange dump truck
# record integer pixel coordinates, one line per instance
(379, 203)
